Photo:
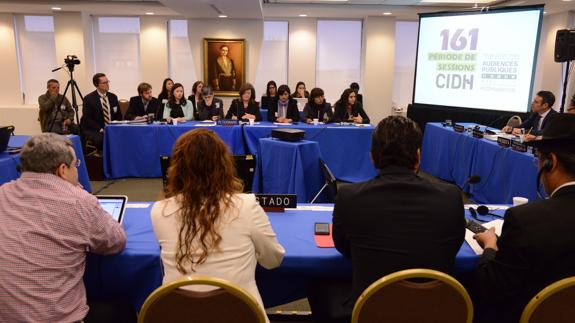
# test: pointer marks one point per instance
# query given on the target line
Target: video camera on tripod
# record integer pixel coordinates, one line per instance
(70, 61)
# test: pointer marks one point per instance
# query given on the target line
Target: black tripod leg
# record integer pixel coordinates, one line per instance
(58, 108)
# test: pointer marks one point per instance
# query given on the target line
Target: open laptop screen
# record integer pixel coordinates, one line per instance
(114, 205)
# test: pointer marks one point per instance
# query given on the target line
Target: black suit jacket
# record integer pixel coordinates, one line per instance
(136, 108)
(93, 115)
(397, 221)
(533, 122)
(207, 112)
(237, 109)
(341, 114)
(536, 248)
(323, 112)
(292, 111)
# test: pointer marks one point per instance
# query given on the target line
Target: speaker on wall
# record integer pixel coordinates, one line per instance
(565, 45)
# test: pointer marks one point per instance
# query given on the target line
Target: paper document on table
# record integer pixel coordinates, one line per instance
(138, 205)
(314, 208)
(282, 123)
(491, 207)
(497, 224)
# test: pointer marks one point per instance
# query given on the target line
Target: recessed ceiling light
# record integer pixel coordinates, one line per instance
(149, 13)
(387, 13)
(544, 12)
(56, 8)
(303, 15)
(567, 0)
(223, 16)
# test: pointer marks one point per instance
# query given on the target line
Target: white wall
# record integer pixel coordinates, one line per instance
(302, 52)
(154, 52)
(379, 40)
(10, 80)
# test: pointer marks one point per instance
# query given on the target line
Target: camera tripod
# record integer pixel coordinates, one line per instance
(74, 87)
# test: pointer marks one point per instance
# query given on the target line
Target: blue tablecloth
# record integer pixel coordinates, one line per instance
(454, 157)
(289, 168)
(9, 162)
(134, 150)
(137, 271)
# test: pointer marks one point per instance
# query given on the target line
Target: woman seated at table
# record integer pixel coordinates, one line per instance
(267, 100)
(210, 108)
(317, 108)
(207, 226)
(283, 109)
(348, 109)
(246, 107)
(177, 107)
(196, 97)
(300, 92)
(166, 88)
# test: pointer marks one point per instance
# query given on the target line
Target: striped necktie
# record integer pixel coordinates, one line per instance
(106, 109)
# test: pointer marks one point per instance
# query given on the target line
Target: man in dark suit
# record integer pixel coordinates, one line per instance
(143, 104)
(537, 244)
(542, 113)
(395, 221)
(100, 108)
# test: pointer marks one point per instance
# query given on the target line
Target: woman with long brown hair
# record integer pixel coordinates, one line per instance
(207, 226)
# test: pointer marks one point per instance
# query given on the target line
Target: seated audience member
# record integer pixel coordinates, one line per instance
(178, 107)
(348, 109)
(300, 91)
(143, 104)
(245, 107)
(48, 224)
(196, 97)
(207, 226)
(571, 107)
(100, 108)
(536, 244)
(166, 88)
(283, 109)
(393, 222)
(210, 108)
(542, 114)
(317, 108)
(268, 99)
(355, 87)
(59, 119)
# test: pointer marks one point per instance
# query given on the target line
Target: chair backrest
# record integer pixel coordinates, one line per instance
(164, 164)
(552, 304)
(228, 303)
(514, 121)
(5, 133)
(432, 297)
(246, 169)
(124, 105)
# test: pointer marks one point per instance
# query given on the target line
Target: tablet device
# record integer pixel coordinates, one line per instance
(115, 205)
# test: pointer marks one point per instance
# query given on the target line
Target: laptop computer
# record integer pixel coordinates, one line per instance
(5, 133)
(115, 205)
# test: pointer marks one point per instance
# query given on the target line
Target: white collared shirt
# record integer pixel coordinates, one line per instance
(542, 117)
(560, 187)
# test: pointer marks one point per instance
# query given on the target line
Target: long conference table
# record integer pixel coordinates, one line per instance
(137, 271)
(132, 150)
(9, 162)
(454, 157)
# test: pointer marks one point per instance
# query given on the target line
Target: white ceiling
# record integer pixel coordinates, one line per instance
(255, 9)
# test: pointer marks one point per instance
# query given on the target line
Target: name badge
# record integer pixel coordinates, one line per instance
(458, 128)
(477, 134)
(115, 109)
(504, 142)
(518, 146)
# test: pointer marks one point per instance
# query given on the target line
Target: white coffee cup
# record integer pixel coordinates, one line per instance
(315, 121)
(175, 122)
(252, 122)
(517, 200)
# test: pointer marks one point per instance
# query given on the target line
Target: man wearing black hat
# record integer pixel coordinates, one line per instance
(537, 244)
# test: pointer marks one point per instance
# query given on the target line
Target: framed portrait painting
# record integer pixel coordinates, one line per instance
(224, 65)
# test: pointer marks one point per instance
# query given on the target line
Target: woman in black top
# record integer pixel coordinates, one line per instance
(210, 108)
(317, 108)
(245, 107)
(196, 97)
(166, 88)
(348, 109)
(284, 109)
(268, 99)
(300, 91)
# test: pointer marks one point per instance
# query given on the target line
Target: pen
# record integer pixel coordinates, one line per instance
(529, 132)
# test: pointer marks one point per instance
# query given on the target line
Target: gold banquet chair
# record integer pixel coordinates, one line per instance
(552, 304)
(228, 303)
(396, 298)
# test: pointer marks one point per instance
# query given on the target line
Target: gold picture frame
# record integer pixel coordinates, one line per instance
(224, 65)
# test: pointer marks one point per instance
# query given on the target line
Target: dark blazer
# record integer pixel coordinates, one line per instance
(397, 221)
(136, 108)
(341, 114)
(323, 112)
(292, 111)
(93, 115)
(237, 109)
(266, 101)
(536, 248)
(533, 122)
(207, 112)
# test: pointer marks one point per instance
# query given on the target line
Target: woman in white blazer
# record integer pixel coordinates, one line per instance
(206, 226)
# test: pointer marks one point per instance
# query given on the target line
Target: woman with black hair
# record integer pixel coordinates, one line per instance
(166, 88)
(177, 107)
(300, 91)
(317, 108)
(283, 109)
(245, 107)
(271, 90)
(348, 109)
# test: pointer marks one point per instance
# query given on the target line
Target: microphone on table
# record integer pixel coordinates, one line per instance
(484, 210)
